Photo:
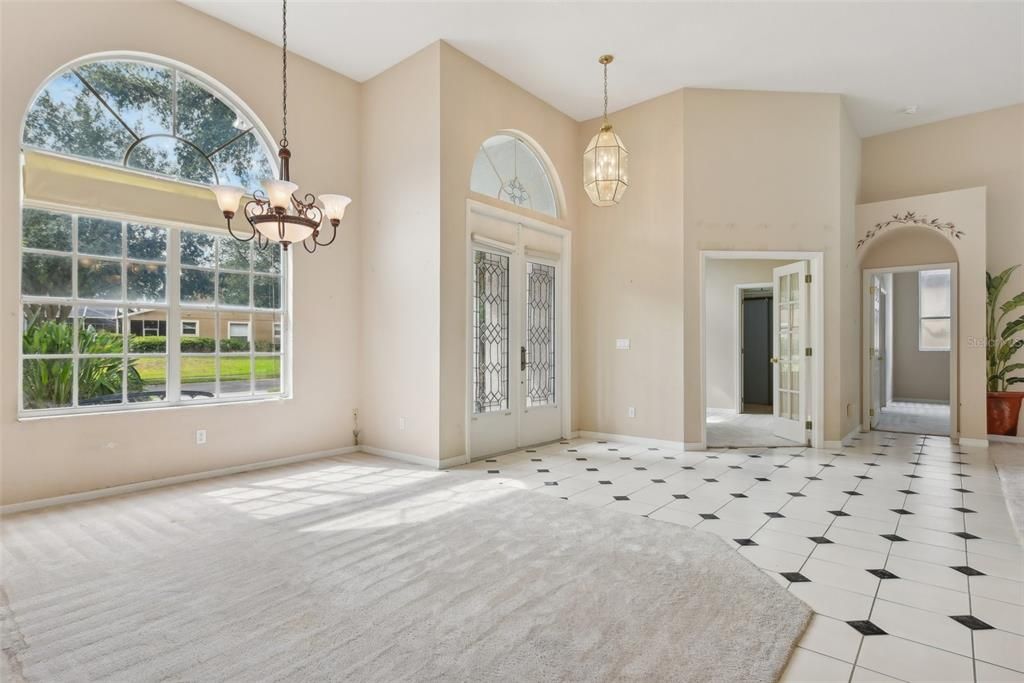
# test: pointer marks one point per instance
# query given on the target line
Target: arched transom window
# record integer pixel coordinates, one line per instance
(149, 117)
(508, 169)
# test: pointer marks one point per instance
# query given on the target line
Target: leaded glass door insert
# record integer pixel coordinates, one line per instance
(490, 332)
(540, 334)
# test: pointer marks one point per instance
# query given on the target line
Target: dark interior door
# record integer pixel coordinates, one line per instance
(757, 351)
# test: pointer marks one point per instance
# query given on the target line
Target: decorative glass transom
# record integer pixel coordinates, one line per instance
(540, 334)
(506, 168)
(149, 117)
(490, 332)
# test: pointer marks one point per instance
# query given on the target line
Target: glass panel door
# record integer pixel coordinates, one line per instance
(790, 342)
(541, 418)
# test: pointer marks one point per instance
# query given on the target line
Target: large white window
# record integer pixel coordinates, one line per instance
(934, 310)
(112, 309)
(508, 169)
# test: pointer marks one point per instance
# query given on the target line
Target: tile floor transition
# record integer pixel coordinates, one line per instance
(900, 543)
(915, 418)
(729, 428)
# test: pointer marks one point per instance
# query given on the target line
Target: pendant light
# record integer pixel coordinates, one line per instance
(606, 161)
(275, 213)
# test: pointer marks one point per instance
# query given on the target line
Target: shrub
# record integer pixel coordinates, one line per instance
(198, 344)
(234, 345)
(147, 344)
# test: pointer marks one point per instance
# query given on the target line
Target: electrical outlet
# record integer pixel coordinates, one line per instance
(401, 424)
(622, 344)
(200, 437)
(632, 411)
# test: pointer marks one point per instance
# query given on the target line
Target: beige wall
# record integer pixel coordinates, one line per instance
(629, 283)
(50, 457)
(916, 374)
(721, 309)
(401, 165)
(763, 172)
(850, 278)
(476, 103)
(978, 150)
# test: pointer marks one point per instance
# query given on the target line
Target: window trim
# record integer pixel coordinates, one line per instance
(193, 321)
(921, 318)
(248, 329)
(174, 309)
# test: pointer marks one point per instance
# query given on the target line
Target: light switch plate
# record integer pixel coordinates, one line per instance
(622, 344)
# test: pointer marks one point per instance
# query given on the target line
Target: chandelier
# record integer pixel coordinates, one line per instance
(275, 213)
(606, 161)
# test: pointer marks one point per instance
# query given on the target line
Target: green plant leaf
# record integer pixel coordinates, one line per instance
(996, 283)
(1015, 380)
(1013, 327)
(1013, 304)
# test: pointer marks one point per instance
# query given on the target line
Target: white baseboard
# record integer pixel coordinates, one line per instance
(845, 440)
(695, 446)
(412, 459)
(1005, 439)
(974, 443)
(169, 481)
(936, 401)
(625, 438)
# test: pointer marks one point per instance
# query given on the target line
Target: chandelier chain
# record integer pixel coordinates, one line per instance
(284, 73)
(606, 92)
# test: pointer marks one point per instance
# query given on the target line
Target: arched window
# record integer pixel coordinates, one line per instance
(507, 168)
(121, 312)
(149, 117)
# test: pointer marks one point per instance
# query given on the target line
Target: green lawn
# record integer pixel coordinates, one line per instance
(203, 369)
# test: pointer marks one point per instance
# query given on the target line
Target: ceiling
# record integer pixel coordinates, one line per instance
(945, 58)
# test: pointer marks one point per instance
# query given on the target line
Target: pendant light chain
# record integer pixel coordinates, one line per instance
(284, 73)
(606, 92)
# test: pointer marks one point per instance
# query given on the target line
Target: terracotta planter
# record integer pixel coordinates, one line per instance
(1004, 412)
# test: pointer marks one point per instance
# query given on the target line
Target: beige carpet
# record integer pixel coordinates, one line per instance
(368, 571)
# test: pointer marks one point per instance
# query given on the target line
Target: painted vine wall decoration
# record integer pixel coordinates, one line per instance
(911, 218)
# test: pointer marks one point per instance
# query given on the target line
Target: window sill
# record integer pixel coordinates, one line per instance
(52, 414)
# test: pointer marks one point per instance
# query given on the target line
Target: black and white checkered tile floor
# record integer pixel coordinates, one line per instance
(901, 544)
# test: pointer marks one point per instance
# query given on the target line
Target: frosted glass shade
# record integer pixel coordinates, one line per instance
(606, 168)
(279, 192)
(228, 197)
(293, 232)
(335, 205)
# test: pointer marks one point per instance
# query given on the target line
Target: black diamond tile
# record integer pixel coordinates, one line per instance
(761, 479)
(712, 457)
(551, 483)
(602, 442)
(884, 445)
(535, 460)
(669, 457)
(652, 449)
(613, 449)
(735, 467)
(711, 481)
(783, 467)
(964, 510)
(883, 454)
(543, 470)
(689, 467)
(912, 476)
(863, 476)
(796, 494)
(820, 540)
(965, 535)
(963, 491)
(530, 450)
(709, 515)
(580, 459)
(839, 513)
(960, 474)
(572, 450)
(564, 443)
(493, 471)
(605, 482)
(866, 628)
(901, 511)
(745, 541)
(621, 497)
(658, 481)
(738, 495)
(794, 577)
(873, 464)
(640, 469)
(754, 456)
(968, 571)
(908, 492)
(813, 478)
(828, 465)
(680, 496)
(853, 493)
(592, 469)
(624, 457)
(490, 461)
(893, 537)
(882, 573)
(971, 622)
(775, 515)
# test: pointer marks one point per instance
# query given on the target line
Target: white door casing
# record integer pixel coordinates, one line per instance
(789, 358)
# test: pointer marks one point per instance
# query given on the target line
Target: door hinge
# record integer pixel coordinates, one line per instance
(871, 412)
(807, 278)
(808, 351)
(808, 425)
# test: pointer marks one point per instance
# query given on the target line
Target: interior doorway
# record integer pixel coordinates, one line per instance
(518, 331)
(910, 356)
(760, 330)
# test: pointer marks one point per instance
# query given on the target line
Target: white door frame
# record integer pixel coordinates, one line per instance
(737, 353)
(563, 288)
(954, 327)
(817, 262)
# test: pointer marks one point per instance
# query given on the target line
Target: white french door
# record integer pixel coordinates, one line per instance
(875, 352)
(515, 350)
(790, 360)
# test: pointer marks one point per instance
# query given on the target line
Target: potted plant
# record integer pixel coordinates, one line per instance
(1003, 405)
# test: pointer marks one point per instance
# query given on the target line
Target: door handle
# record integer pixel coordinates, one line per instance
(522, 358)
(775, 360)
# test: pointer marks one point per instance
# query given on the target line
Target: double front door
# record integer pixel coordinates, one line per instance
(515, 349)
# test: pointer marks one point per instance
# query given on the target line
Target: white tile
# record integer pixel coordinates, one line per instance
(989, 673)
(997, 588)
(1000, 648)
(927, 628)
(832, 601)
(843, 576)
(924, 596)
(862, 675)
(831, 637)
(806, 666)
(911, 661)
(772, 559)
(853, 557)
(929, 553)
(1002, 615)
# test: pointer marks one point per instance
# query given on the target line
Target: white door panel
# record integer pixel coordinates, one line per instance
(541, 417)
(790, 340)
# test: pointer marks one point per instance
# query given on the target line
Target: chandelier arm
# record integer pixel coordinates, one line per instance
(231, 230)
(305, 244)
(334, 236)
